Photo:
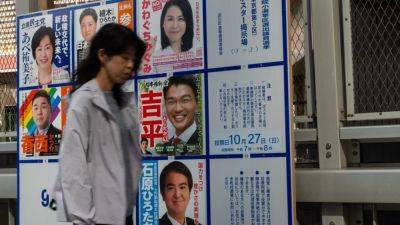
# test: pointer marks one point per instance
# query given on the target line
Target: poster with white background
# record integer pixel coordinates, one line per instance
(36, 181)
(244, 32)
(254, 191)
(247, 111)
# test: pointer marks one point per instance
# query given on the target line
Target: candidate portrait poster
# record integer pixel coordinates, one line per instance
(164, 178)
(88, 20)
(244, 32)
(43, 48)
(173, 32)
(171, 115)
(42, 118)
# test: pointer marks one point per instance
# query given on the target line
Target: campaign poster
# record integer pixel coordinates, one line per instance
(254, 191)
(248, 111)
(173, 32)
(42, 116)
(36, 182)
(43, 47)
(244, 32)
(89, 20)
(173, 189)
(171, 115)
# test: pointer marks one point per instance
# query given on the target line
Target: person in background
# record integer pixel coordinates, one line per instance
(100, 156)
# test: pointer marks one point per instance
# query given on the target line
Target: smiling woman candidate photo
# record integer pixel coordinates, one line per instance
(176, 28)
(43, 51)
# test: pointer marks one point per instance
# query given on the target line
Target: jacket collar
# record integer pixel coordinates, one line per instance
(99, 98)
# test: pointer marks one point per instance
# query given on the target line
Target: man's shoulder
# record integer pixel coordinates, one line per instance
(164, 220)
(53, 130)
(194, 139)
(190, 221)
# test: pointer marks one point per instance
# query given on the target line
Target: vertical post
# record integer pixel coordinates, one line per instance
(326, 33)
(332, 214)
(328, 81)
(11, 218)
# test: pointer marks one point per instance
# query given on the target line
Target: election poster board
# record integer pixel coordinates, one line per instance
(213, 98)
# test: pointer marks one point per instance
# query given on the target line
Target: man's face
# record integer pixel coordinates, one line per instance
(176, 194)
(88, 28)
(143, 146)
(41, 111)
(181, 107)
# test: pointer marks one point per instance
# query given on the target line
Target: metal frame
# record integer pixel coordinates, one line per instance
(309, 62)
(305, 135)
(348, 56)
(8, 147)
(8, 181)
(309, 70)
(348, 185)
(328, 82)
(369, 133)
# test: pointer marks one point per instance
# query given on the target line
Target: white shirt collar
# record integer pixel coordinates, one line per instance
(185, 136)
(43, 132)
(173, 221)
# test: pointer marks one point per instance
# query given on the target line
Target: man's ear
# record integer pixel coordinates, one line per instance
(102, 56)
(163, 197)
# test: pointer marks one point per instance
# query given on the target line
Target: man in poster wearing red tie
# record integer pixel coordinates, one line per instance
(180, 96)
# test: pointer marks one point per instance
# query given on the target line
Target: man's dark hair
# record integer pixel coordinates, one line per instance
(175, 167)
(42, 93)
(144, 139)
(188, 80)
(39, 35)
(88, 12)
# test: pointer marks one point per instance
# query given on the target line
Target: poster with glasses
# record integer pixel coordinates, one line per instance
(173, 32)
(171, 115)
(43, 49)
